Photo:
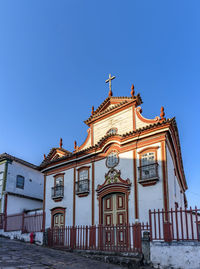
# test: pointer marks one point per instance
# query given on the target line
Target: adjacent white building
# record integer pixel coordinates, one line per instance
(127, 165)
(21, 185)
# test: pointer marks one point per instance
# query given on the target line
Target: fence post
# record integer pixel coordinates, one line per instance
(167, 231)
(137, 242)
(150, 225)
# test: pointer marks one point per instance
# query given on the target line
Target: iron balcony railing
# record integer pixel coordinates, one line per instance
(82, 186)
(148, 172)
(57, 192)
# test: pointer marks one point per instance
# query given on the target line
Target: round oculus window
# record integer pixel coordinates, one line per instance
(112, 160)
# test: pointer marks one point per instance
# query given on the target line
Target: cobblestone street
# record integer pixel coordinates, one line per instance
(16, 254)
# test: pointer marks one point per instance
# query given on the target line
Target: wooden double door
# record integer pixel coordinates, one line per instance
(58, 231)
(115, 219)
(114, 209)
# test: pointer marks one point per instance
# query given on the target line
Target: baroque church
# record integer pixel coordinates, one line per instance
(127, 165)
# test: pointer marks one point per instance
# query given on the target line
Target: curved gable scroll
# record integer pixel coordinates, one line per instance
(87, 141)
(138, 111)
(113, 182)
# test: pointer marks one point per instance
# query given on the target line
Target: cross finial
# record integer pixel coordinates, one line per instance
(110, 87)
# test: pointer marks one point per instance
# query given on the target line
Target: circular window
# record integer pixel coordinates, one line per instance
(112, 159)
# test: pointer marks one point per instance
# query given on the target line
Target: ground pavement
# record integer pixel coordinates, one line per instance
(15, 254)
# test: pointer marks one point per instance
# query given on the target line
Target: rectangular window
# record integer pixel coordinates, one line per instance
(20, 182)
(149, 167)
(82, 185)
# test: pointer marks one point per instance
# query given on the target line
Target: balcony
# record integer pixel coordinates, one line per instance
(82, 187)
(148, 174)
(57, 192)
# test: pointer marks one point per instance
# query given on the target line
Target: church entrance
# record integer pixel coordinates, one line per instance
(114, 220)
(114, 209)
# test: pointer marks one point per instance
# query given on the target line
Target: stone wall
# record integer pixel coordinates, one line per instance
(176, 255)
(23, 236)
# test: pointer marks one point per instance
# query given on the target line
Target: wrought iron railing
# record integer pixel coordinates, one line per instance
(147, 172)
(82, 186)
(57, 192)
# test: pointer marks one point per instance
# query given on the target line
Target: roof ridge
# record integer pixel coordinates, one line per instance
(13, 158)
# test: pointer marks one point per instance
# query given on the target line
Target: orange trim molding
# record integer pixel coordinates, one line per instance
(135, 183)
(55, 211)
(93, 174)
(165, 183)
(74, 198)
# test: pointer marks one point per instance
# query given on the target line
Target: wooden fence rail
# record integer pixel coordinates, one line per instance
(175, 224)
(120, 238)
(22, 222)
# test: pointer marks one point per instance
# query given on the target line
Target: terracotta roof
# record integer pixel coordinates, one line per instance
(52, 151)
(98, 112)
(6, 156)
(151, 126)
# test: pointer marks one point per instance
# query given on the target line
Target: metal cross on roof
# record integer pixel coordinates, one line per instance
(109, 80)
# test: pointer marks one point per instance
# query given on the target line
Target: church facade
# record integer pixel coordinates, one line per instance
(127, 165)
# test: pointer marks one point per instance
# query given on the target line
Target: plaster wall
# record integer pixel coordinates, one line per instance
(17, 204)
(175, 194)
(150, 197)
(33, 180)
(66, 202)
(84, 204)
(123, 121)
(177, 255)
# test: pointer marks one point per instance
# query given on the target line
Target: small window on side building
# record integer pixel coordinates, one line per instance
(20, 182)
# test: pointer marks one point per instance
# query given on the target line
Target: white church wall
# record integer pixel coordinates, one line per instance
(123, 121)
(150, 197)
(126, 167)
(100, 171)
(175, 194)
(17, 204)
(33, 180)
(84, 204)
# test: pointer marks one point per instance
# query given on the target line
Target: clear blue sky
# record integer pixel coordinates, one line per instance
(56, 55)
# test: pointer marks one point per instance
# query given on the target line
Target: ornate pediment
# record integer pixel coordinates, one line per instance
(113, 177)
